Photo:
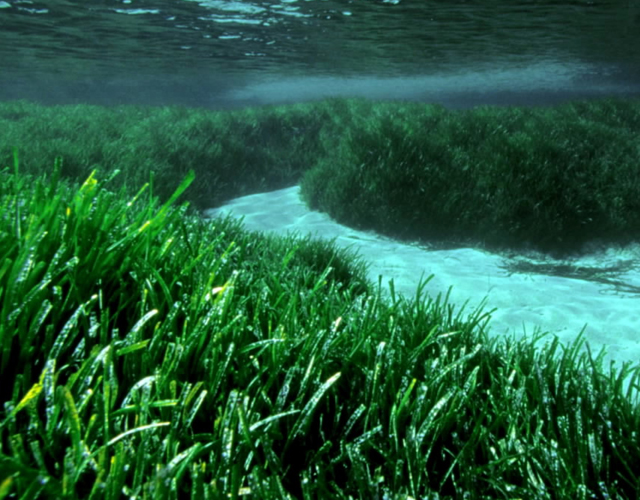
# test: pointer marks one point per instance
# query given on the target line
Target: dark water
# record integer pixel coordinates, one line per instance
(220, 53)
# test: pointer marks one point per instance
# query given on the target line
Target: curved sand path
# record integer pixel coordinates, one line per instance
(524, 301)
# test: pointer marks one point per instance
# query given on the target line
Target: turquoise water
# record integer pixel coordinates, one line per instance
(226, 53)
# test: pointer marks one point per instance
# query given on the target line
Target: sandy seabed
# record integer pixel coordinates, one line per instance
(524, 301)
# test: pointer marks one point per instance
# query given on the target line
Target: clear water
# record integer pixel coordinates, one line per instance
(220, 53)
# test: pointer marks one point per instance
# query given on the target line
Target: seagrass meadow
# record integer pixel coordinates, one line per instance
(148, 353)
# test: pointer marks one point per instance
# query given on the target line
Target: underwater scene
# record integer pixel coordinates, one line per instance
(320, 249)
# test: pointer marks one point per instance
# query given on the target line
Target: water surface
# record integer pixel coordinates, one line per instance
(220, 53)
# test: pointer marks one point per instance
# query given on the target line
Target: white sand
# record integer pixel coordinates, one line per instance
(524, 301)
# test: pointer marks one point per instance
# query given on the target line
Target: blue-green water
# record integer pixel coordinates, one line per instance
(225, 53)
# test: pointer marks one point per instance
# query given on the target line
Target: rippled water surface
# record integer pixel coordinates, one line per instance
(218, 52)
